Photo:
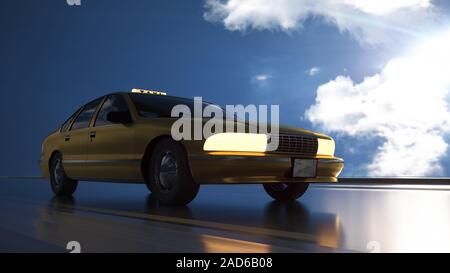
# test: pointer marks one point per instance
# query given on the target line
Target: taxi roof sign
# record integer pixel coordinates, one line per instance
(151, 92)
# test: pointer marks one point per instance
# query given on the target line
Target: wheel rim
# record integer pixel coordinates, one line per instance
(58, 172)
(278, 186)
(167, 171)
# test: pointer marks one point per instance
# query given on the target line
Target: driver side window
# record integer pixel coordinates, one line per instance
(112, 103)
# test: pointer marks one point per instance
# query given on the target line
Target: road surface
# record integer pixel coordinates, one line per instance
(107, 217)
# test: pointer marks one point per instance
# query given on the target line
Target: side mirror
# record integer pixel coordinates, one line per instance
(119, 117)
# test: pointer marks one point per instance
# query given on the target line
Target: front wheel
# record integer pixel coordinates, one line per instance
(285, 191)
(61, 184)
(170, 179)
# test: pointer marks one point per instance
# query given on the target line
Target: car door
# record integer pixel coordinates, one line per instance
(110, 146)
(74, 147)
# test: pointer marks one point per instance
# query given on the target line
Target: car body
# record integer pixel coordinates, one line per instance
(113, 138)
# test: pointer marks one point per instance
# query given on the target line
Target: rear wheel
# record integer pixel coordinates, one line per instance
(170, 179)
(285, 191)
(61, 184)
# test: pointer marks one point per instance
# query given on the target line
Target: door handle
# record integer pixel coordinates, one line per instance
(92, 134)
(66, 138)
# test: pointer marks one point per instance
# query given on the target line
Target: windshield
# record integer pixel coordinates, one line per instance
(149, 106)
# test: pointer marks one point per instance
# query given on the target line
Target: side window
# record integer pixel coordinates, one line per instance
(83, 119)
(67, 123)
(112, 103)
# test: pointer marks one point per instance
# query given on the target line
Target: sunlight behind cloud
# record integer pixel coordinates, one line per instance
(369, 21)
(406, 104)
(382, 7)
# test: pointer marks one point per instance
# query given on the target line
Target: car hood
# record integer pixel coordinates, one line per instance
(282, 129)
(299, 131)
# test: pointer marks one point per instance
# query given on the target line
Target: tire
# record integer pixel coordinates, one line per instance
(285, 192)
(61, 184)
(170, 179)
(148, 186)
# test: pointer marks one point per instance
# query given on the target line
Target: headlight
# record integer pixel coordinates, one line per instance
(326, 147)
(237, 142)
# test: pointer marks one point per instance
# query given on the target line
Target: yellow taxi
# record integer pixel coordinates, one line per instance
(126, 137)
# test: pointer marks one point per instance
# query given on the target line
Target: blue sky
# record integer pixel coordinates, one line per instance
(55, 57)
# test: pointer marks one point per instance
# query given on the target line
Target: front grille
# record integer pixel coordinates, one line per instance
(297, 144)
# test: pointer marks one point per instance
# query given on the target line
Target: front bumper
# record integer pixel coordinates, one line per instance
(218, 169)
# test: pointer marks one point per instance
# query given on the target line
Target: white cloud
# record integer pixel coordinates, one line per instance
(382, 7)
(261, 77)
(261, 80)
(369, 21)
(313, 71)
(405, 105)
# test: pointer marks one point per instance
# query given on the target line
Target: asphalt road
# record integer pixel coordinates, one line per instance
(106, 217)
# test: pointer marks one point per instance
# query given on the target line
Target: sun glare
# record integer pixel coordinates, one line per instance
(434, 54)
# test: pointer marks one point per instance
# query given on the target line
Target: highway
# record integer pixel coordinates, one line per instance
(108, 217)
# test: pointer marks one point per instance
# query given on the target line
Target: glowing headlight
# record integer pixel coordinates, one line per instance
(326, 147)
(237, 142)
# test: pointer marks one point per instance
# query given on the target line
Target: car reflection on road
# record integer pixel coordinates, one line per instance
(295, 216)
(64, 220)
